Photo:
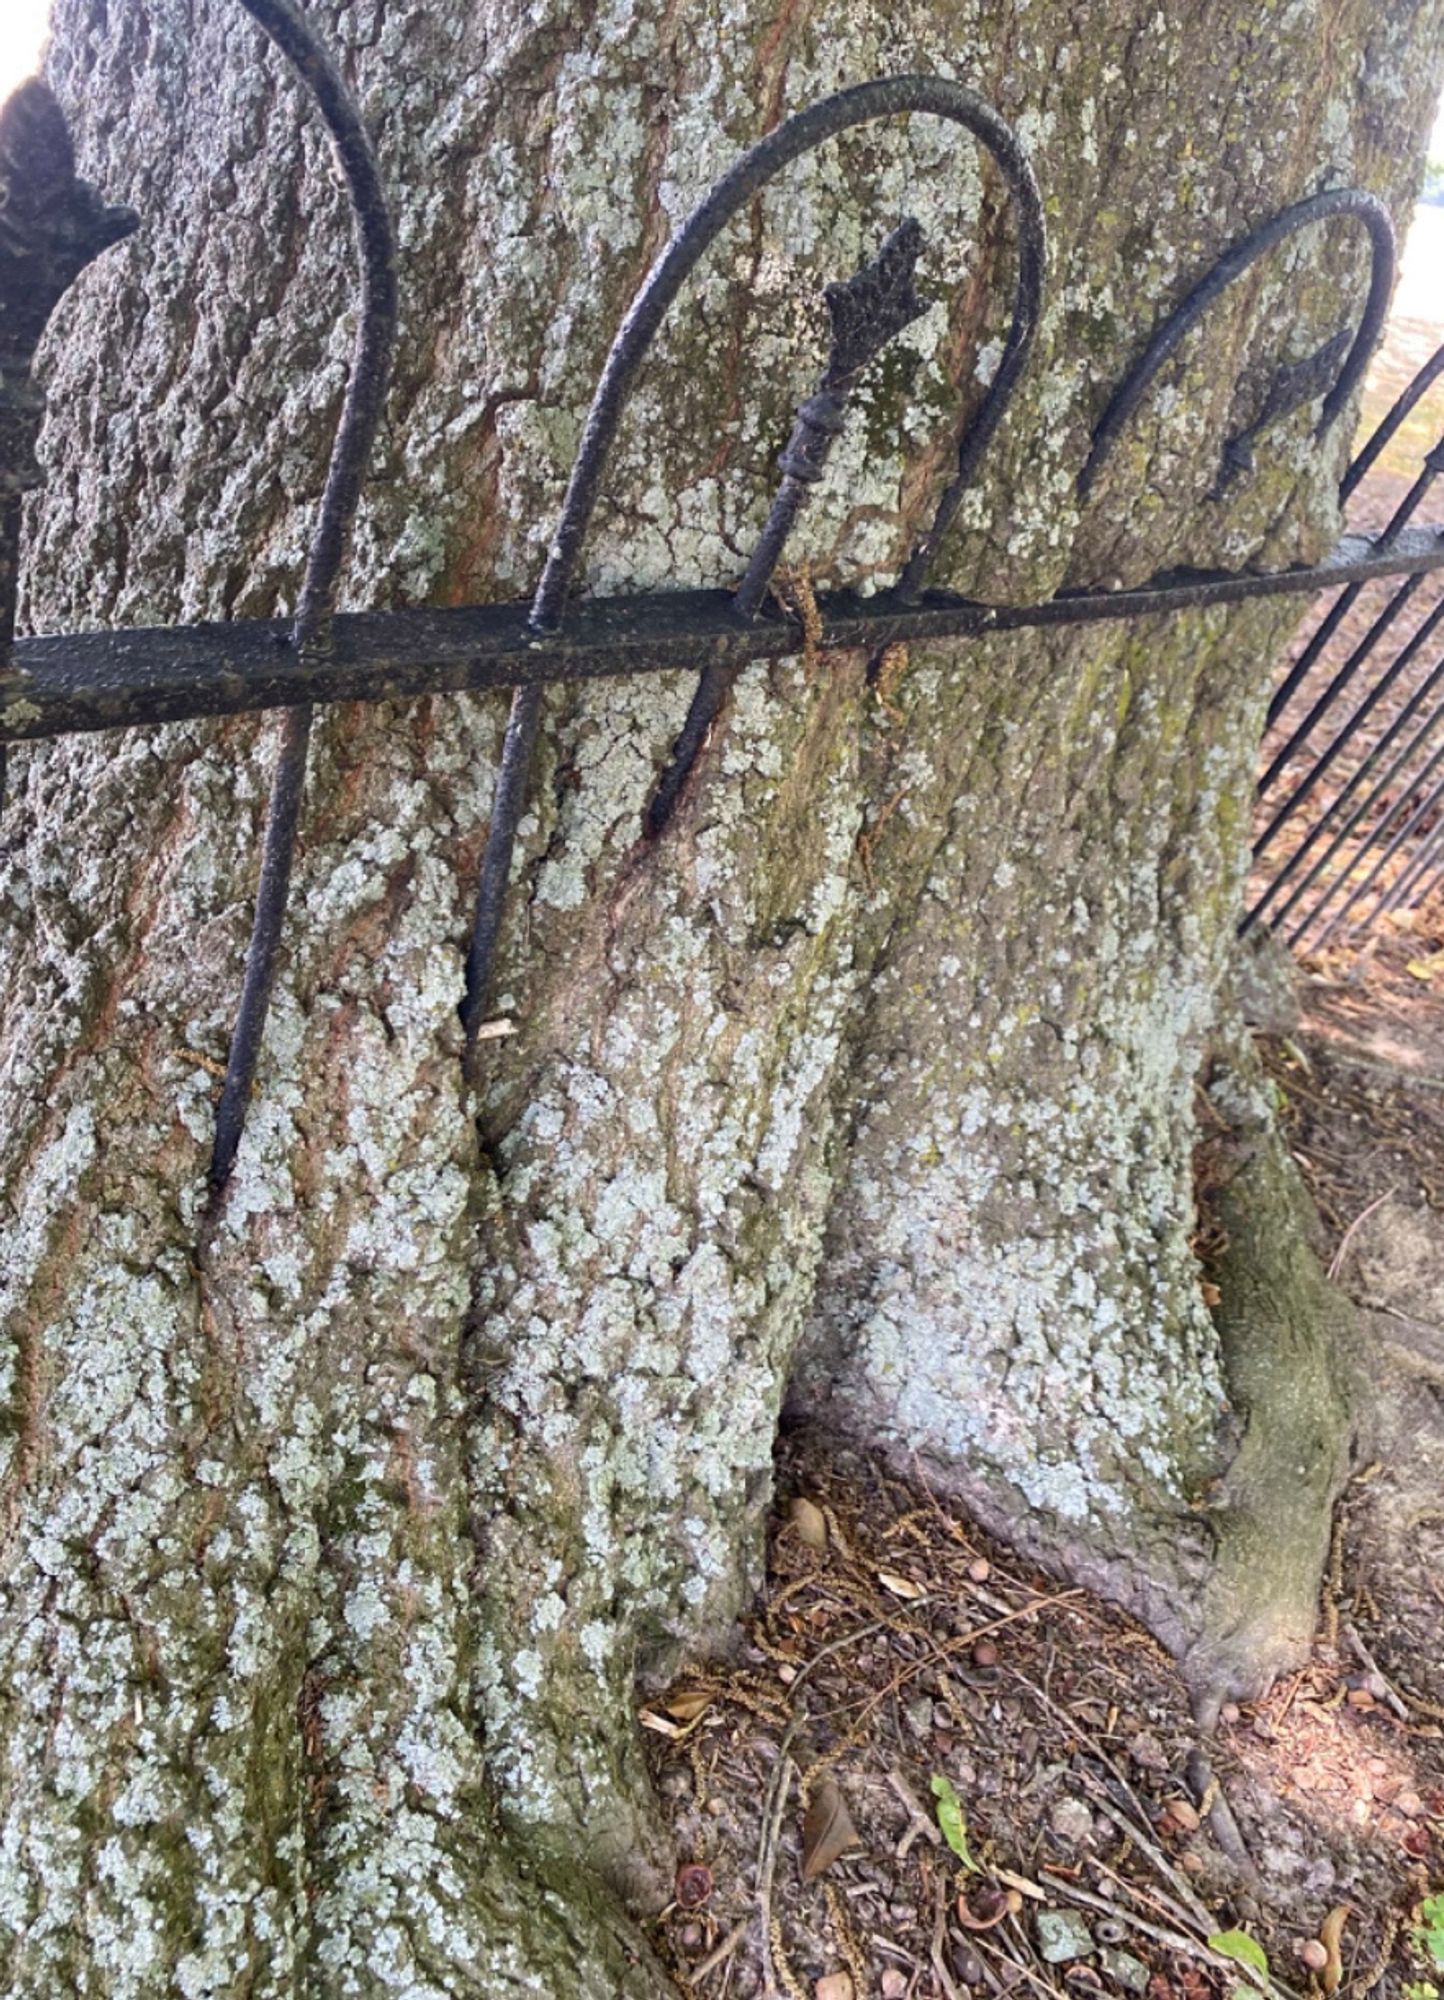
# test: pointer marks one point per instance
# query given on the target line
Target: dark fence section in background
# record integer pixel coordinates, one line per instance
(1352, 793)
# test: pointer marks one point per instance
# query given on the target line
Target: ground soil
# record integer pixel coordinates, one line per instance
(895, 1650)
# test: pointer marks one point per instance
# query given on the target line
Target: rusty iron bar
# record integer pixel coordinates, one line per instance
(311, 631)
(800, 134)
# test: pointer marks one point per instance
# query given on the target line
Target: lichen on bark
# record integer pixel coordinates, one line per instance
(331, 1556)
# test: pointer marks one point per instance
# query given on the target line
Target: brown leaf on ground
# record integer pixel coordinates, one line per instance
(808, 1522)
(900, 1586)
(827, 1831)
(688, 1703)
(1331, 1934)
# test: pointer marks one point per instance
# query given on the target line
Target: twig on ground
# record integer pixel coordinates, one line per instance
(920, 1822)
(1160, 1933)
(939, 1963)
(772, 1812)
(835, 1646)
(1336, 1262)
(1176, 1913)
(1391, 1694)
(956, 1644)
(1190, 1909)
(722, 1953)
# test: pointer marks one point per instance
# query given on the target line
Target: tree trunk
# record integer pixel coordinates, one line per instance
(334, 1544)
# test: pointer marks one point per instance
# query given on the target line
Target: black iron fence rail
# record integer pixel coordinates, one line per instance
(109, 680)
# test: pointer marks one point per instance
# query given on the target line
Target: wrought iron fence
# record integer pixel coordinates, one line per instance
(52, 225)
(1353, 793)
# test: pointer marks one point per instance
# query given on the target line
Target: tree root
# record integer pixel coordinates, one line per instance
(1284, 1332)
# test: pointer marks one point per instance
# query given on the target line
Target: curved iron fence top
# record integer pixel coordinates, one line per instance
(1356, 202)
(287, 26)
(802, 133)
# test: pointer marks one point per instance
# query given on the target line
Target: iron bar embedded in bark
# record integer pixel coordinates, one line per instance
(802, 133)
(351, 450)
(1355, 203)
(867, 311)
(51, 225)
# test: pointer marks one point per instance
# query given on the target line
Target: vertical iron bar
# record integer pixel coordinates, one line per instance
(1401, 888)
(1366, 805)
(887, 97)
(1375, 836)
(1419, 897)
(866, 314)
(1384, 430)
(1337, 804)
(1403, 884)
(1345, 735)
(1426, 807)
(507, 806)
(288, 28)
(1344, 604)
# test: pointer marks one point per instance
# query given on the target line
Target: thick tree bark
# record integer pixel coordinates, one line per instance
(333, 1545)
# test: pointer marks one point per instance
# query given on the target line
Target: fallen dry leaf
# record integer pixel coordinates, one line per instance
(834, 1986)
(687, 1704)
(1331, 1932)
(809, 1522)
(827, 1830)
(663, 1725)
(988, 1908)
(900, 1586)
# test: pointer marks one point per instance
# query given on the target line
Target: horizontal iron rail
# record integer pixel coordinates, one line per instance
(109, 680)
